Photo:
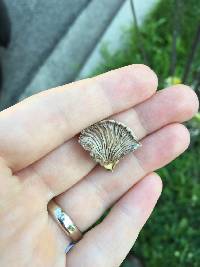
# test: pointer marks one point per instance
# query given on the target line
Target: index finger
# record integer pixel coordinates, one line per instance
(39, 124)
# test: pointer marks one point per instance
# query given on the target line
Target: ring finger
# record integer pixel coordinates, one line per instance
(93, 195)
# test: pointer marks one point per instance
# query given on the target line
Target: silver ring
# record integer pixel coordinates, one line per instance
(64, 221)
(69, 247)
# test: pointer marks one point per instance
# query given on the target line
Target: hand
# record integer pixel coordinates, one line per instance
(41, 159)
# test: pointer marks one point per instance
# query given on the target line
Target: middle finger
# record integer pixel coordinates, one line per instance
(69, 163)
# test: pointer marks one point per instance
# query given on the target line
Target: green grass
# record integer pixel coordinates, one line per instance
(157, 41)
(172, 235)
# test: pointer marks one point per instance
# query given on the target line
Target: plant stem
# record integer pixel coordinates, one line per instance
(191, 54)
(197, 85)
(139, 36)
(176, 28)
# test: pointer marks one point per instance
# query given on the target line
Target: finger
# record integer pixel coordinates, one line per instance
(36, 126)
(59, 171)
(92, 196)
(108, 243)
(174, 104)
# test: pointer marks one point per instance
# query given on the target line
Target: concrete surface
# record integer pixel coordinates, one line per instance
(113, 35)
(71, 52)
(37, 25)
(55, 42)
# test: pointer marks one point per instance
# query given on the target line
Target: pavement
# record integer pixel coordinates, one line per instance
(50, 42)
(68, 57)
(56, 42)
(36, 27)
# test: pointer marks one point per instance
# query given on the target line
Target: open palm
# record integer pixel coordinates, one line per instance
(40, 159)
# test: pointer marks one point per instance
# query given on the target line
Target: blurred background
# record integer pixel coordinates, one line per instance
(48, 43)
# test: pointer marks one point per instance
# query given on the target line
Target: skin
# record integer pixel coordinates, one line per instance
(40, 159)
